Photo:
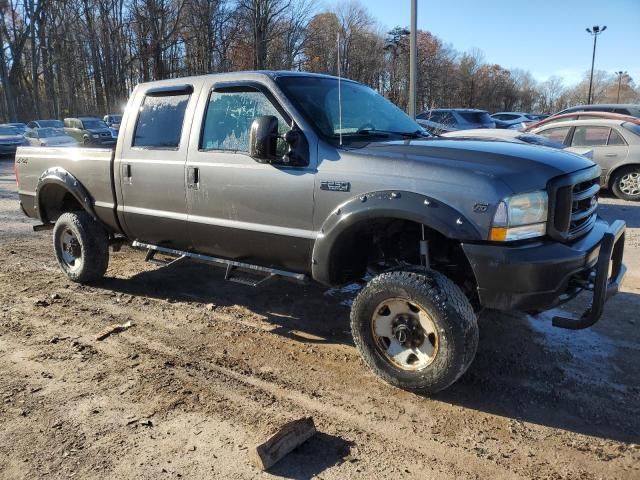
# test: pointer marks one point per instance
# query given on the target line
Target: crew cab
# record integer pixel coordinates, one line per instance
(316, 178)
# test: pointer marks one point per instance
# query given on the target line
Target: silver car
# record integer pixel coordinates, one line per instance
(49, 137)
(615, 145)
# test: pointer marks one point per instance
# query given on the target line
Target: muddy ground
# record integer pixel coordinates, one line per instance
(210, 366)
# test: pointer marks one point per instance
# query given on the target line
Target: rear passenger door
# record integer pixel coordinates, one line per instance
(151, 166)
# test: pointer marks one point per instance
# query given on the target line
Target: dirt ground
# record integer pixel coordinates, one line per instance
(210, 366)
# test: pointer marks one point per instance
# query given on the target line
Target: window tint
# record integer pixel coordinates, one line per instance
(557, 134)
(590, 136)
(229, 117)
(160, 121)
(615, 138)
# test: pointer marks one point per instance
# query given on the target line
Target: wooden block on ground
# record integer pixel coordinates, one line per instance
(289, 436)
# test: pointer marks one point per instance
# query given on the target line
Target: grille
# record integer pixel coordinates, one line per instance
(573, 204)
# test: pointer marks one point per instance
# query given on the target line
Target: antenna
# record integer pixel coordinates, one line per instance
(339, 93)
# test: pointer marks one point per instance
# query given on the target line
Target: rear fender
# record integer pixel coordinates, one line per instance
(386, 204)
(58, 176)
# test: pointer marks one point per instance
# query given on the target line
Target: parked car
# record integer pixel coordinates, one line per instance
(89, 131)
(113, 120)
(264, 174)
(621, 108)
(49, 123)
(441, 120)
(582, 116)
(515, 120)
(615, 145)
(49, 137)
(510, 135)
(10, 140)
(20, 127)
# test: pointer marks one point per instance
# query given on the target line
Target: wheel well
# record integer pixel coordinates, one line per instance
(373, 246)
(54, 200)
(611, 175)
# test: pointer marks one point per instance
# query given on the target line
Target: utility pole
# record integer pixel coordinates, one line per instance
(413, 59)
(620, 74)
(594, 32)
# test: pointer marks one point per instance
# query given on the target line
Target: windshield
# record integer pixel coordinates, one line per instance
(50, 132)
(363, 110)
(8, 131)
(116, 118)
(51, 123)
(93, 124)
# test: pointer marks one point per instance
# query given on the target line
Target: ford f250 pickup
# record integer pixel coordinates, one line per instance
(314, 178)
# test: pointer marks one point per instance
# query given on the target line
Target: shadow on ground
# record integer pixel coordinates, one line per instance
(582, 381)
(317, 454)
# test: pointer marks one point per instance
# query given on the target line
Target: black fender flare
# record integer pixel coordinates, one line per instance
(62, 178)
(400, 205)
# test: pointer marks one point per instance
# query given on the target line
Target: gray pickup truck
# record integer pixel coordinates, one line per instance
(309, 177)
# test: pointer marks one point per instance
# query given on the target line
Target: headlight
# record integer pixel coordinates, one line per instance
(95, 136)
(520, 217)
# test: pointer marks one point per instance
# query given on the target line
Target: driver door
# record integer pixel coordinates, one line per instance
(238, 208)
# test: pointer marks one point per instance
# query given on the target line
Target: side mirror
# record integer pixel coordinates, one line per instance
(263, 138)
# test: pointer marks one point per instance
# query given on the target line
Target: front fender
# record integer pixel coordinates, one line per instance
(60, 177)
(387, 204)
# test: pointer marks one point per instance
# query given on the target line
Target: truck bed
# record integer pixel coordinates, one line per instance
(92, 167)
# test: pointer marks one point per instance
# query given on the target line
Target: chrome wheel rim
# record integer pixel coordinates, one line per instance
(630, 184)
(405, 334)
(70, 250)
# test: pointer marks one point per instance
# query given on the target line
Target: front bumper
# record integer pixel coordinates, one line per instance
(538, 276)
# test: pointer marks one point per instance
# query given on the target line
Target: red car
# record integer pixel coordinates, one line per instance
(563, 117)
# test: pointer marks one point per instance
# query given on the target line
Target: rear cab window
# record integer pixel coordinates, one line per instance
(160, 121)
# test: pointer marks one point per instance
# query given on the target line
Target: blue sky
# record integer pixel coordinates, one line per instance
(546, 37)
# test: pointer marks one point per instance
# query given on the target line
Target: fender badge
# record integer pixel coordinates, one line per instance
(335, 186)
(480, 207)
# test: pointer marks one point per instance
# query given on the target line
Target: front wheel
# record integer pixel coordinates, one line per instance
(626, 183)
(81, 246)
(415, 329)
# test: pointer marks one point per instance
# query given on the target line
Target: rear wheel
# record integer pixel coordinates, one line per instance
(415, 329)
(81, 246)
(626, 183)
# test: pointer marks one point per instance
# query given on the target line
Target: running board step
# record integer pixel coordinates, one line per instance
(247, 277)
(239, 272)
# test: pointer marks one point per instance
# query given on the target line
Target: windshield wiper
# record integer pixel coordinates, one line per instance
(386, 133)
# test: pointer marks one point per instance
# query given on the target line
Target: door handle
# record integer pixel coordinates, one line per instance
(193, 177)
(611, 155)
(127, 173)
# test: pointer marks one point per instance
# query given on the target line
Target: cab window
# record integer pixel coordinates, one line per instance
(229, 117)
(159, 124)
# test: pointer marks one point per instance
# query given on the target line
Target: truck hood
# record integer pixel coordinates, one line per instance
(521, 167)
(99, 130)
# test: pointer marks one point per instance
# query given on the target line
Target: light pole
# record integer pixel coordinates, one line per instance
(594, 32)
(413, 59)
(620, 75)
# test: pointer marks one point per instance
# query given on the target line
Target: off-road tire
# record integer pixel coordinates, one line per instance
(93, 243)
(449, 309)
(617, 178)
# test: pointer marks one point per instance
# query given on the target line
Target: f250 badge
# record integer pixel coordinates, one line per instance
(335, 186)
